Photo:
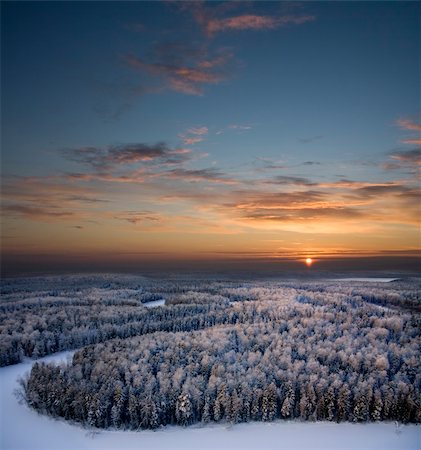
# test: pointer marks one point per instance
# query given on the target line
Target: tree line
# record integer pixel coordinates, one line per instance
(291, 351)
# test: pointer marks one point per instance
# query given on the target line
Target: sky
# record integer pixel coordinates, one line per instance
(209, 131)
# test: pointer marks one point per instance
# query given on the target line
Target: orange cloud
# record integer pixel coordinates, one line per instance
(49, 199)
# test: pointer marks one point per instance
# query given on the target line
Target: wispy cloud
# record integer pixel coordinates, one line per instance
(408, 124)
(129, 177)
(187, 72)
(381, 190)
(307, 207)
(117, 155)
(412, 141)
(190, 140)
(311, 163)
(289, 180)
(311, 139)
(240, 127)
(218, 18)
(236, 127)
(268, 164)
(36, 212)
(200, 131)
(211, 175)
(253, 22)
(194, 135)
(408, 156)
(326, 205)
(136, 217)
(61, 201)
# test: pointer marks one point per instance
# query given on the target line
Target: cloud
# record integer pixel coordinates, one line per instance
(379, 190)
(239, 127)
(200, 131)
(133, 177)
(253, 22)
(47, 189)
(191, 140)
(412, 141)
(194, 135)
(311, 163)
(311, 139)
(36, 212)
(407, 124)
(408, 156)
(118, 155)
(234, 127)
(289, 180)
(219, 18)
(270, 164)
(305, 214)
(136, 217)
(186, 72)
(242, 22)
(324, 207)
(292, 207)
(211, 175)
(23, 197)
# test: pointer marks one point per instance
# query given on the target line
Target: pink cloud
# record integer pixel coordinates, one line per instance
(192, 140)
(244, 22)
(194, 135)
(253, 22)
(187, 79)
(412, 141)
(407, 124)
(412, 157)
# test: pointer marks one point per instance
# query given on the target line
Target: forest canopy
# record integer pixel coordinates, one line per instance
(217, 350)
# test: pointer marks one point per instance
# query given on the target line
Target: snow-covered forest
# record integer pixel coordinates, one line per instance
(217, 350)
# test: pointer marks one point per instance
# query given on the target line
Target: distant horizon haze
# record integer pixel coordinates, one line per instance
(161, 265)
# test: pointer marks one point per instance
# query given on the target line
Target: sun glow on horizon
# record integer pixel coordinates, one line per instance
(309, 262)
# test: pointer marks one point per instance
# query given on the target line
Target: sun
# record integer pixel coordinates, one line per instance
(309, 262)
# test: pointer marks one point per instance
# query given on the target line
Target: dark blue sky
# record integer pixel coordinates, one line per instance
(248, 100)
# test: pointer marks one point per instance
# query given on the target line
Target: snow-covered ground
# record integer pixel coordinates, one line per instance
(24, 429)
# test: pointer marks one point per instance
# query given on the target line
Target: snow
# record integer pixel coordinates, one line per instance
(24, 429)
(369, 279)
(154, 303)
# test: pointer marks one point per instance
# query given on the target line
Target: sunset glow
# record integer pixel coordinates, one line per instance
(309, 262)
(200, 134)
